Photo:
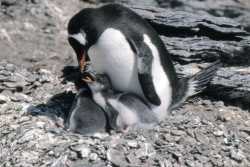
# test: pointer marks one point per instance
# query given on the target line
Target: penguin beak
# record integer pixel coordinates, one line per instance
(80, 53)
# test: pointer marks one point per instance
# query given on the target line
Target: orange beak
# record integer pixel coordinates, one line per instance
(82, 60)
(82, 64)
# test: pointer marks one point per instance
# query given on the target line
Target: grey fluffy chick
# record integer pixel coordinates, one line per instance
(124, 110)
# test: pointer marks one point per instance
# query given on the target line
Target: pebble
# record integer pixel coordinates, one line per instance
(4, 99)
(40, 124)
(20, 97)
(218, 133)
(201, 137)
(82, 149)
(8, 2)
(116, 157)
(178, 132)
(237, 155)
(85, 151)
(51, 153)
(11, 84)
(10, 67)
(93, 156)
(23, 119)
(132, 143)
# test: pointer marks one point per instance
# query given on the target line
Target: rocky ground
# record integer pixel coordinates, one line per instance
(35, 100)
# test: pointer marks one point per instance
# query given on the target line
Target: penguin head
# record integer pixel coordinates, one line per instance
(83, 30)
(101, 85)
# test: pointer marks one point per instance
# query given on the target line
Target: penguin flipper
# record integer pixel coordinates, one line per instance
(144, 66)
(190, 86)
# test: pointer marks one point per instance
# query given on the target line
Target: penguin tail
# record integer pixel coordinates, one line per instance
(195, 84)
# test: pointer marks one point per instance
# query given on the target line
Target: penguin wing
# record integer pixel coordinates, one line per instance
(144, 66)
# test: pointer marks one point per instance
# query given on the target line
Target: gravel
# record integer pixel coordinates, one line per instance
(35, 100)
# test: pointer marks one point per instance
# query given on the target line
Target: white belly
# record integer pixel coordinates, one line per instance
(113, 56)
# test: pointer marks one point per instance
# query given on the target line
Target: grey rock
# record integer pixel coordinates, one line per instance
(201, 138)
(132, 143)
(116, 157)
(8, 2)
(82, 149)
(218, 133)
(4, 99)
(93, 156)
(177, 132)
(237, 155)
(60, 162)
(13, 84)
(20, 97)
(10, 67)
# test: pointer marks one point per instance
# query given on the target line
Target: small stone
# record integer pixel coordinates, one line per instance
(82, 149)
(23, 119)
(13, 84)
(73, 155)
(146, 150)
(201, 138)
(245, 129)
(37, 83)
(237, 155)
(84, 152)
(201, 158)
(4, 99)
(21, 97)
(40, 124)
(93, 156)
(31, 78)
(177, 132)
(28, 26)
(100, 135)
(45, 76)
(132, 144)
(207, 102)
(10, 67)
(190, 163)
(218, 133)
(8, 2)
(132, 159)
(116, 157)
(51, 153)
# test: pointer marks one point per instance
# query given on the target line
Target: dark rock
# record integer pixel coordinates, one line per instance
(4, 99)
(8, 2)
(205, 38)
(237, 155)
(116, 157)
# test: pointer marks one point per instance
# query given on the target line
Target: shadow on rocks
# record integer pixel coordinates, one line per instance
(58, 106)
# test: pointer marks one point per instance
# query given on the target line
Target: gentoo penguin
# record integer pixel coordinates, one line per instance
(121, 44)
(124, 111)
(86, 117)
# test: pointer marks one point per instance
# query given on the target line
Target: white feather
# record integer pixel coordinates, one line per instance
(80, 37)
(72, 123)
(113, 56)
(126, 116)
(160, 80)
(99, 99)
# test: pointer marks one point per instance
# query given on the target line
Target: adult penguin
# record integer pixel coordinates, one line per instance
(122, 45)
